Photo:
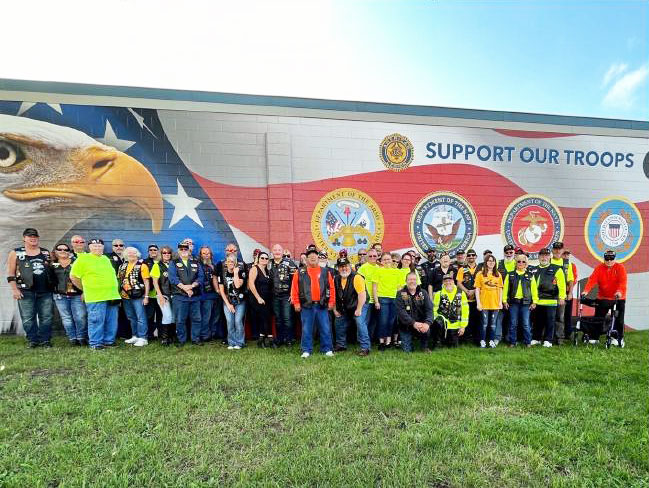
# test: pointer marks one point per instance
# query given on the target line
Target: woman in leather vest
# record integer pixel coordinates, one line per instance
(210, 300)
(160, 275)
(67, 297)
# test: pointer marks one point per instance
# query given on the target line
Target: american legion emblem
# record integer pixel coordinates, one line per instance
(348, 219)
(444, 221)
(614, 223)
(396, 152)
(532, 222)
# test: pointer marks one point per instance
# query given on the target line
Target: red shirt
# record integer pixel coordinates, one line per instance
(609, 280)
(314, 274)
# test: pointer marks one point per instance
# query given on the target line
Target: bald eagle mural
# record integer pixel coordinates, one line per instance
(95, 171)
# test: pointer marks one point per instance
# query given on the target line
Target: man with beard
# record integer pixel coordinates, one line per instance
(350, 308)
(414, 314)
(466, 282)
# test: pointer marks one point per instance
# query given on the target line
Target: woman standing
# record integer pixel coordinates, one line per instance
(489, 298)
(260, 285)
(387, 281)
(133, 278)
(67, 297)
(160, 275)
(210, 313)
(232, 285)
(436, 274)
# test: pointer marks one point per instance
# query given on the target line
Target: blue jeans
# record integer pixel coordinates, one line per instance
(210, 314)
(489, 321)
(546, 316)
(283, 312)
(503, 316)
(234, 320)
(73, 315)
(136, 313)
(408, 337)
(348, 320)
(318, 314)
(519, 312)
(102, 323)
(37, 313)
(387, 316)
(182, 310)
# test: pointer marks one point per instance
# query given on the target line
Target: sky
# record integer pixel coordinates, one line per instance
(577, 57)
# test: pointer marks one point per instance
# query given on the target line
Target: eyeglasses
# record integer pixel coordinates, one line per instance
(118, 245)
(263, 257)
(509, 252)
(471, 255)
(521, 261)
(62, 249)
(609, 258)
(78, 242)
(166, 252)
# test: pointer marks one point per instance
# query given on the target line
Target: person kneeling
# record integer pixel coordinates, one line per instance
(450, 312)
(414, 314)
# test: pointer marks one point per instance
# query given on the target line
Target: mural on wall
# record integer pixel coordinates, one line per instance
(147, 176)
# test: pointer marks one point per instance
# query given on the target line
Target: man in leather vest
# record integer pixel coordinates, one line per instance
(520, 296)
(558, 259)
(414, 314)
(29, 280)
(160, 277)
(313, 295)
(186, 276)
(450, 313)
(466, 282)
(282, 269)
(153, 311)
(351, 301)
(552, 293)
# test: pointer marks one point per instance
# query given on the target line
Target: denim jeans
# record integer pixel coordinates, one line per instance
(349, 320)
(134, 309)
(37, 313)
(182, 310)
(502, 320)
(209, 315)
(489, 321)
(73, 315)
(234, 320)
(408, 337)
(387, 316)
(318, 314)
(102, 323)
(283, 312)
(519, 312)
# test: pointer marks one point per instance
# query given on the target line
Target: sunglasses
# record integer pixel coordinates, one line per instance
(78, 242)
(62, 249)
(183, 248)
(609, 258)
(264, 258)
(471, 255)
(230, 250)
(118, 245)
(362, 254)
(521, 261)
(166, 252)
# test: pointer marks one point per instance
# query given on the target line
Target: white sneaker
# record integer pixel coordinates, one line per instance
(547, 344)
(483, 344)
(535, 343)
(614, 342)
(230, 347)
(593, 341)
(329, 353)
(141, 342)
(132, 340)
(236, 348)
(496, 342)
(305, 355)
(621, 342)
(492, 344)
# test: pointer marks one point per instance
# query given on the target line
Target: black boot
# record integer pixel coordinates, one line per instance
(272, 343)
(261, 342)
(164, 334)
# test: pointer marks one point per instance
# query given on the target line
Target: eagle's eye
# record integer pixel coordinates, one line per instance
(10, 154)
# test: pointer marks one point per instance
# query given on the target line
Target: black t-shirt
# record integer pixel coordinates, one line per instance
(436, 276)
(39, 271)
(235, 295)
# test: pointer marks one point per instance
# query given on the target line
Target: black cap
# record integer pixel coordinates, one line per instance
(342, 262)
(183, 245)
(95, 241)
(519, 250)
(311, 247)
(311, 250)
(153, 246)
(609, 255)
(557, 245)
(430, 249)
(448, 276)
(545, 250)
(486, 251)
(460, 251)
(322, 254)
(30, 232)
(471, 251)
(508, 247)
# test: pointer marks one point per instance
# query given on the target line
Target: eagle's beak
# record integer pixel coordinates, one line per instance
(107, 175)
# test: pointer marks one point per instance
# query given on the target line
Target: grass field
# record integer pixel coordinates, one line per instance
(205, 416)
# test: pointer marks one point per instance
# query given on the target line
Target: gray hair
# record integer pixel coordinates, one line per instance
(130, 249)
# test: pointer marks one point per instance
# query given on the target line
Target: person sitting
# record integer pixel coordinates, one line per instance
(450, 313)
(414, 314)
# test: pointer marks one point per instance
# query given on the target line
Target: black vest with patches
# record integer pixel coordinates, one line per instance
(282, 275)
(208, 272)
(186, 274)
(346, 298)
(451, 309)
(526, 286)
(61, 280)
(304, 287)
(468, 279)
(133, 282)
(163, 281)
(548, 288)
(25, 270)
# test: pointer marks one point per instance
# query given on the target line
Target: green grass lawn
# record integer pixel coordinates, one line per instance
(205, 416)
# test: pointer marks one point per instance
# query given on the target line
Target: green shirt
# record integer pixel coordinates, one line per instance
(367, 271)
(559, 262)
(464, 314)
(519, 291)
(97, 277)
(390, 280)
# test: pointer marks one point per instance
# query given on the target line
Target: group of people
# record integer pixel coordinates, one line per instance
(387, 299)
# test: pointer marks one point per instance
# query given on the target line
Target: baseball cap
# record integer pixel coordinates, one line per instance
(448, 276)
(95, 241)
(508, 247)
(557, 245)
(183, 245)
(311, 250)
(486, 251)
(545, 250)
(30, 232)
(460, 251)
(609, 255)
(322, 254)
(342, 262)
(342, 253)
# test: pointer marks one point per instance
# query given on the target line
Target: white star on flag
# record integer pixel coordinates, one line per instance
(24, 106)
(140, 120)
(111, 139)
(184, 206)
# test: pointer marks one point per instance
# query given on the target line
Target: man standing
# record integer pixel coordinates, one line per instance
(93, 273)
(505, 266)
(153, 311)
(28, 277)
(466, 282)
(460, 258)
(450, 313)
(432, 263)
(368, 271)
(117, 255)
(552, 293)
(281, 270)
(186, 276)
(611, 279)
(414, 314)
(78, 245)
(567, 317)
(312, 295)
(564, 264)
(351, 306)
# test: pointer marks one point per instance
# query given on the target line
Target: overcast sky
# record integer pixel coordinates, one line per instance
(574, 57)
